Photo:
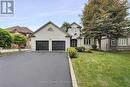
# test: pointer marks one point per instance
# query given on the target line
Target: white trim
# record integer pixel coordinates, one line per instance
(122, 42)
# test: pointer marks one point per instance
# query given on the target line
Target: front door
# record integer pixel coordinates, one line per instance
(73, 43)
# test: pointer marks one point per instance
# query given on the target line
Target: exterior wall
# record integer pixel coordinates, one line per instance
(104, 44)
(129, 41)
(44, 34)
(114, 48)
(79, 42)
(82, 41)
(74, 30)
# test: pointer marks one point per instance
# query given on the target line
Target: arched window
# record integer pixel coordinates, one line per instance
(50, 29)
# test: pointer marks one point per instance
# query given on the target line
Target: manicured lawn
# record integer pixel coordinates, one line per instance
(102, 69)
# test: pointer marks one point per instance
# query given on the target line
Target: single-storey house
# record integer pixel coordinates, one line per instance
(52, 38)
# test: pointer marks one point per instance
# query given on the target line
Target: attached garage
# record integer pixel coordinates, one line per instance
(42, 45)
(58, 45)
(50, 38)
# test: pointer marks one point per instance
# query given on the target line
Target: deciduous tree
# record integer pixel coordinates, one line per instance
(19, 40)
(5, 38)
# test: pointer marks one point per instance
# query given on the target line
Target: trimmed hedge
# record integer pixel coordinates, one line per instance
(72, 52)
(80, 49)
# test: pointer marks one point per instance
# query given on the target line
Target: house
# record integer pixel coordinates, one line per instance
(52, 38)
(111, 44)
(22, 30)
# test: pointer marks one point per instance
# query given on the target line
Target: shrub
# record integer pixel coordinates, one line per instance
(72, 52)
(88, 51)
(94, 47)
(80, 49)
(6, 39)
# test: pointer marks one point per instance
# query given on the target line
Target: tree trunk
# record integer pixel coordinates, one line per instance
(19, 48)
(99, 42)
(95, 43)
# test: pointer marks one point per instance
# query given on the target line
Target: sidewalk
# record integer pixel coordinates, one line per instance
(12, 50)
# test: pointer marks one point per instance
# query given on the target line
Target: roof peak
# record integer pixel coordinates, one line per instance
(76, 24)
(50, 22)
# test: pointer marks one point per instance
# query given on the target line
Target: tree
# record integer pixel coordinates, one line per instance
(19, 40)
(5, 38)
(65, 26)
(105, 18)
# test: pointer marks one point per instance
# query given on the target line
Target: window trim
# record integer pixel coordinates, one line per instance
(112, 44)
(88, 41)
(123, 41)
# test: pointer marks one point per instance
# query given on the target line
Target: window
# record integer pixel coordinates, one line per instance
(73, 43)
(88, 41)
(50, 29)
(122, 42)
(113, 42)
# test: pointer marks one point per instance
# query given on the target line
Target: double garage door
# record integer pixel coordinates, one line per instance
(56, 45)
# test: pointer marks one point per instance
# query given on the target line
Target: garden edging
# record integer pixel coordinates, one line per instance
(73, 77)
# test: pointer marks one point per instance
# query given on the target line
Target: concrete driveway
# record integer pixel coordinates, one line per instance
(35, 69)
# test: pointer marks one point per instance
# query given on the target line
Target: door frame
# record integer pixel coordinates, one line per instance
(73, 42)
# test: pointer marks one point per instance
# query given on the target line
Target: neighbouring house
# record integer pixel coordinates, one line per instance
(24, 31)
(111, 44)
(52, 38)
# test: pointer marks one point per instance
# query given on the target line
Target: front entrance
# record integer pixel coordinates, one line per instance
(73, 43)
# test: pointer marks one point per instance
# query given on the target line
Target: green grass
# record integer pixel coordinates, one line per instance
(102, 69)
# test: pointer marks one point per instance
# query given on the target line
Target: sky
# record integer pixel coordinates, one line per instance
(35, 13)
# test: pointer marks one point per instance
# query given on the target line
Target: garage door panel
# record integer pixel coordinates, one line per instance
(42, 45)
(58, 45)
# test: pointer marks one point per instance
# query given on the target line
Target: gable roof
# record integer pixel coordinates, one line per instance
(19, 29)
(76, 24)
(53, 25)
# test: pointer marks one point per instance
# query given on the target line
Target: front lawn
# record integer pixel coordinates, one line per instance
(102, 69)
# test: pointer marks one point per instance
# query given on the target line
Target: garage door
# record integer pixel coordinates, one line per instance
(58, 45)
(42, 45)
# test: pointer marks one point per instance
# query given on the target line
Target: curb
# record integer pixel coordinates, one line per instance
(73, 77)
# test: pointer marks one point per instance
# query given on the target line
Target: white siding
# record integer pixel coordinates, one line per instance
(129, 41)
(104, 44)
(74, 30)
(44, 34)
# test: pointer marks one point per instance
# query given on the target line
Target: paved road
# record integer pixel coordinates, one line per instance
(35, 69)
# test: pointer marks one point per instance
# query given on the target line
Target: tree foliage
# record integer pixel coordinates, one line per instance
(5, 38)
(19, 39)
(105, 18)
(65, 26)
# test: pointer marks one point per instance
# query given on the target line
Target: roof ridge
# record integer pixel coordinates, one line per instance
(50, 22)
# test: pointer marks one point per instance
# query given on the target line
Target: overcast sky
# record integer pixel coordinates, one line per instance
(35, 13)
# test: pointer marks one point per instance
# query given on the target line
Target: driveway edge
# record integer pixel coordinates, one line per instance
(73, 77)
